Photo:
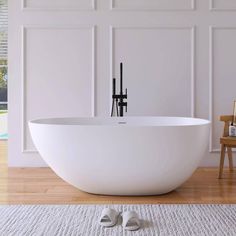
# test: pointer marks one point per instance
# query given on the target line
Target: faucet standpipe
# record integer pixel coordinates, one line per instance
(119, 98)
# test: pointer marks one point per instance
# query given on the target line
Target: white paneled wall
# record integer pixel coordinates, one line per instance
(156, 69)
(229, 5)
(153, 4)
(223, 71)
(58, 74)
(179, 60)
(58, 4)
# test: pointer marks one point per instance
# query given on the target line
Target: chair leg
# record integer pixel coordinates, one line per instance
(230, 156)
(222, 158)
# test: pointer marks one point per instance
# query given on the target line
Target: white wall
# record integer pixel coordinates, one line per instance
(179, 60)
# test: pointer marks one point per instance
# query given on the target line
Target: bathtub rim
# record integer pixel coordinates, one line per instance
(121, 121)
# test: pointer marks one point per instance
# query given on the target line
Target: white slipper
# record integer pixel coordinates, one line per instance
(108, 218)
(130, 221)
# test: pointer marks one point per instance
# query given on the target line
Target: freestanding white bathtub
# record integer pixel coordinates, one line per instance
(122, 156)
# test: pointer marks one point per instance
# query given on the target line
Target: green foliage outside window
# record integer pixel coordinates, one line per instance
(3, 54)
(3, 77)
(3, 59)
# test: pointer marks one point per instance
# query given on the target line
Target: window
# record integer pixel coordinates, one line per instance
(3, 54)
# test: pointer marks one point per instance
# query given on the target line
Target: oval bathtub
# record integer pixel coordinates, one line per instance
(122, 156)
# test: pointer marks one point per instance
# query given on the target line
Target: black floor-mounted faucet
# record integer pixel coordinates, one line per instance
(119, 98)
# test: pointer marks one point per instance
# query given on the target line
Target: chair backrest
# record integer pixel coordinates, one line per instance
(228, 120)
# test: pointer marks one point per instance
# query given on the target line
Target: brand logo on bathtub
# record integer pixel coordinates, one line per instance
(122, 123)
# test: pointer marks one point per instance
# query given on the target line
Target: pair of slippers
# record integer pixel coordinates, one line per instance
(109, 217)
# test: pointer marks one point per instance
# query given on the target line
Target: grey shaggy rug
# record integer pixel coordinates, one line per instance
(75, 220)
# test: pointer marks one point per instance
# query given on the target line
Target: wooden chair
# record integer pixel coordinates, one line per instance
(228, 143)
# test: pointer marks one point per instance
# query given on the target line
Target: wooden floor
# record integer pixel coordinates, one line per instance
(42, 186)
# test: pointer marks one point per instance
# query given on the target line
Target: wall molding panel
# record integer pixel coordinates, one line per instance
(212, 58)
(115, 6)
(211, 29)
(24, 30)
(213, 6)
(192, 31)
(91, 6)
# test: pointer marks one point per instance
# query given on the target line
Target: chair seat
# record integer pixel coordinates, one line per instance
(228, 141)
